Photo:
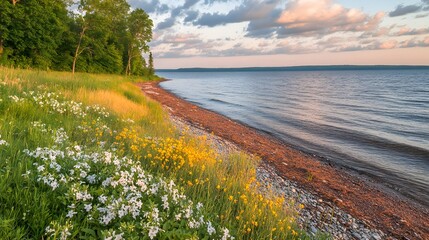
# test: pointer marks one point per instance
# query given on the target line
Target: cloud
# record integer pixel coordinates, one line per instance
(249, 10)
(415, 43)
(422, 15)
(189, 3)
(390, 44)
(209, 2)
(167, 23)
(276, 27)
(172, 45)
(177, 12)
(153, 6)
(406, 31)
(402, 10)
(309, 17)
(191, 16)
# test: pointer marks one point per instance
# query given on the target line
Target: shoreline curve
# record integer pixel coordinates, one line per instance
(378, 206)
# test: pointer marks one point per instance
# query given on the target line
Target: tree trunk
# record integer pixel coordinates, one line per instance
(76, 54)
(14, 2)
(128, 69)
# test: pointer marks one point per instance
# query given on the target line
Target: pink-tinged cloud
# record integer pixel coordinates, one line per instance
(300, 13)
(388, 44)
(411, 31)
(301, 16)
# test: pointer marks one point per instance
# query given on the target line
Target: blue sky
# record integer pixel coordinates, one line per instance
(238, 33)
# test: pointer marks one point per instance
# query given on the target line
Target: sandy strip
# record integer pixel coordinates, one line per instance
(363, 199)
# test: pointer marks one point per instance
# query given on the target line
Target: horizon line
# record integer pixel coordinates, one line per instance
(301, 68)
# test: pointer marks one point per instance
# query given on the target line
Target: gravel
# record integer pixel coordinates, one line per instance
(316, 216)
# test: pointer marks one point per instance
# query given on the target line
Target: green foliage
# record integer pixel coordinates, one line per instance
(151, 67)
(103, 36)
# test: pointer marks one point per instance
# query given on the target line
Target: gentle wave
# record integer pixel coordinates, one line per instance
(373, 122)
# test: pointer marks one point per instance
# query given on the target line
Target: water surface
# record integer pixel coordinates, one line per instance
(373, 122)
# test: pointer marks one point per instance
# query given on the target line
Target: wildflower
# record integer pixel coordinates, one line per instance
(71, 213)
(3, 142)
(49, 230)
(153, 231)
(26, 174)
(16, 99)
(226, 234)
(88, 207)
(210, 228)
(165, 201)
(91, 178)
(84, 195)
(199, 206)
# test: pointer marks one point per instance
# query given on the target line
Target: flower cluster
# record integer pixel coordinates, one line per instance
(107, 179)
(55, 103)
(104, 189)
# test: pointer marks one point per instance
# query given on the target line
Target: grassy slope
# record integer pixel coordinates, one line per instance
(114, 166)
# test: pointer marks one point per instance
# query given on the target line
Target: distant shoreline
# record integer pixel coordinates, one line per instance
(302, 68)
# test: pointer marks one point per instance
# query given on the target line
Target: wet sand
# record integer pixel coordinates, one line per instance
(364, 199)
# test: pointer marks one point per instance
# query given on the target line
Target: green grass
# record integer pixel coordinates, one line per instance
(90, 157)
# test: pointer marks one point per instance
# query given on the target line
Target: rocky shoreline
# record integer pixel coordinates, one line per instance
(316, 215)
(336, 201)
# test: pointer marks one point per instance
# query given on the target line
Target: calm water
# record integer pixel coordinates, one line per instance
(374, 122)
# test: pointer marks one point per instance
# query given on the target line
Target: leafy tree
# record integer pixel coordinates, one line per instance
(100, 22)
(138, 35)
(97, 36)
(31, 31)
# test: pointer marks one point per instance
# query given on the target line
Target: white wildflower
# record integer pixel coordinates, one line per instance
(71, 213)
(199, 206)
(26, 174)
(226, 235)
(142, 185)
(153, 231)
(102, 199)
(3, 142)
(165, 202)
(60, 136)
(106, 182)
(210, 228)
(154, 189)
(49, 230)
(88, 207)
(155, 214)
(41, 168)
(92, 178)
(16, 98)
(84, 195)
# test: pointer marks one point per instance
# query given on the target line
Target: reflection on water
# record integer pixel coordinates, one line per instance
(375, 122)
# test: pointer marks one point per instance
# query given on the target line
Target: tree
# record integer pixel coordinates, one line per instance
(138, 35)
(151, 67)
(100, 22)
(31, 31)
(102, 36)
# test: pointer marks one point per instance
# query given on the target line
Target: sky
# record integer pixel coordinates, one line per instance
(255, 33)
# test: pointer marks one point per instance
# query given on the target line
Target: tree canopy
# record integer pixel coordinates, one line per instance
(98, 36)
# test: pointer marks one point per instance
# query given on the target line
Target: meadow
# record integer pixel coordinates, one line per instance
(88, 156)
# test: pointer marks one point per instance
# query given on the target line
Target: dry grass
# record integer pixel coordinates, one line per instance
(113, 101)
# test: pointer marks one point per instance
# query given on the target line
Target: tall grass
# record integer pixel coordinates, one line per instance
(88, 156)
